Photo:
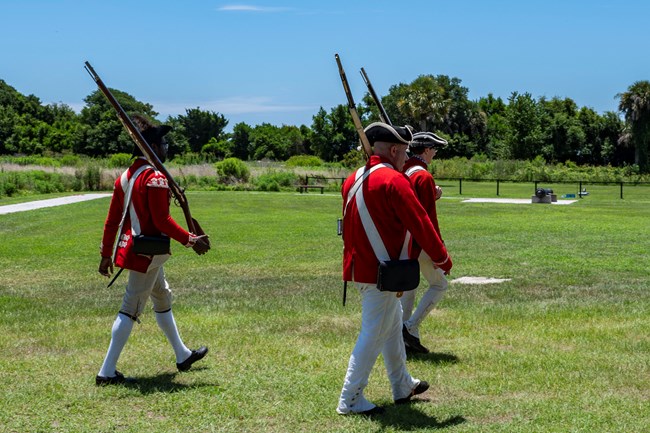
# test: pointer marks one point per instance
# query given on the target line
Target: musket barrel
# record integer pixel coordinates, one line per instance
(383, 116)
(365, 144)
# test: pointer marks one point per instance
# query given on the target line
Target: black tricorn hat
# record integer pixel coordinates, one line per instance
(427, 139)
(379, 131)
(155, 134)
(151, 133)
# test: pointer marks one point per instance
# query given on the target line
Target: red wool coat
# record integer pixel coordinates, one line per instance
(394, 209)
(150, 198)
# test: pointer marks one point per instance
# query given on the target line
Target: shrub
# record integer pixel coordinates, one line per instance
(214, 149)
(8, 184)
(232, 170)
(90, 178)
(70, 160)
(189, 158)
(353, 159)
(120, 160)
(47, 161)
(276, 180)
(304, 161)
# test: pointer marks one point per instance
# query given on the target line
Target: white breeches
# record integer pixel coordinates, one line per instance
(437, 287)
(381, 332)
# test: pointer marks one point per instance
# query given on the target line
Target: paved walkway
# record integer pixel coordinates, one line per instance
(512, 201)
(479, 280)
(31, 205)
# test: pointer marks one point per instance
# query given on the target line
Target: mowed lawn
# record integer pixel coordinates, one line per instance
(564, 346)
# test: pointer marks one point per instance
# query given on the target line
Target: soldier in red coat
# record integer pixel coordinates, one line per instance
(423, 148)
(145, 195)
(389, 200)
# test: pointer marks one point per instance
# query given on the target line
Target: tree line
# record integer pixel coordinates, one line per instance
(521, 127)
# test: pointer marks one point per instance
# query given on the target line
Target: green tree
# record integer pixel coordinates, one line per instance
(200, 126)
(564, 138)
(102, 133)
(425, 102)
(391, 103)
(176, 138)
(273, 142)
(65, 130)
(8, 120)
(334, 134)
(496, 128)
(635, 104)
(613, 151)
(307, 136)
(594, 128)
(241, 141)
(439, 104)
(26, 126)
(525, 138)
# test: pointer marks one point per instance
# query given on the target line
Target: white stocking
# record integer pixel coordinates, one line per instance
(167, 323)
(119, 335)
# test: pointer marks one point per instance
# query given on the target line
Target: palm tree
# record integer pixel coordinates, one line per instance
(425, 103)
(635, 103)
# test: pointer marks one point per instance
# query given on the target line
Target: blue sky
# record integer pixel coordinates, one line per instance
(273, 60)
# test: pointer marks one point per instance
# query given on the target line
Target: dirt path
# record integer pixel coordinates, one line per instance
(31, 205)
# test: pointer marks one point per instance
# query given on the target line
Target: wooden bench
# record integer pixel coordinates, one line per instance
(304, 188)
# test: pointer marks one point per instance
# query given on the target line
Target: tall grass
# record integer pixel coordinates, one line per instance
(75, 174)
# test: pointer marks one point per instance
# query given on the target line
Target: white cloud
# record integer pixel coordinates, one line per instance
(251, 8)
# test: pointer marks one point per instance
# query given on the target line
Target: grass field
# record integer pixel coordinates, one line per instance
(562, 347)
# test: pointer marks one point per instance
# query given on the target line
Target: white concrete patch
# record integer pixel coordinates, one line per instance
(479, 280)
(31, 205)
(512, 201)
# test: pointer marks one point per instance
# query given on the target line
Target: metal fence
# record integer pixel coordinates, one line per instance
(580, 186)
(565, 188)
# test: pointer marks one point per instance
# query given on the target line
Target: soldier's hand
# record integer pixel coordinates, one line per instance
(445, 266)
(438, 192)
(106, 266)
(201, 245)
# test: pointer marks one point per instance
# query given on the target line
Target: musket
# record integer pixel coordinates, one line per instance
(383, 116)
(149, 154)
(365, 144)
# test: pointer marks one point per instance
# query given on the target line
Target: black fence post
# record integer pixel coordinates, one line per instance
(621, 190)
(535, 189)
(580, 189)
(460, 186)
(497, 187)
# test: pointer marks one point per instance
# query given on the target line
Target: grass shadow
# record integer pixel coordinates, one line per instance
(163, 382)
(433, 357)
(407, 418)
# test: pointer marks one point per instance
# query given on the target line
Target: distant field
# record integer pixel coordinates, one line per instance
(562, 347)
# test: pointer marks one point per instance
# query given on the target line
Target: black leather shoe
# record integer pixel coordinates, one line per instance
(196, 355)
(419, 348)
(419, 389)
(115, 380)
(412, 342)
